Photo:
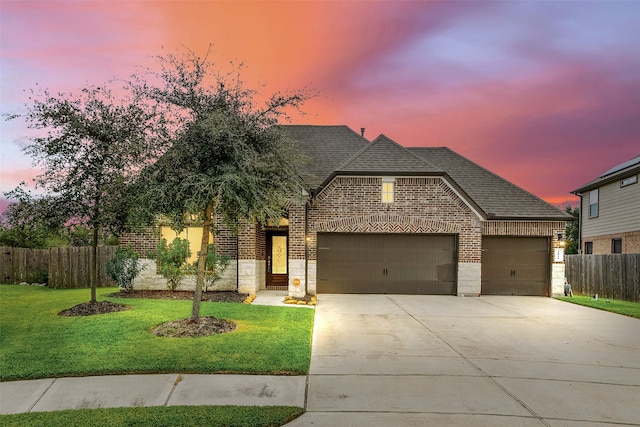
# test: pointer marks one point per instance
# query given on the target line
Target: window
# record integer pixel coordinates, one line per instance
(192, 234)
(629, 181)
(387, 189)
(616, 246)
(588, 248)
(593, 203)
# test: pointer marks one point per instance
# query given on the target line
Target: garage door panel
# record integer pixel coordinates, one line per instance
(386, 263)
(515, 266)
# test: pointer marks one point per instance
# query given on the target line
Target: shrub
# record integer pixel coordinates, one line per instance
(124, 267)
(172, 260)
(214, 267)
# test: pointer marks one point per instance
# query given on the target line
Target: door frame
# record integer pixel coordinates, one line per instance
(275, 281)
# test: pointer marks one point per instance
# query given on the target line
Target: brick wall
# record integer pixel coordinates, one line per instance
(421, 205)
(142, 240)
(523, 228)
(602, 244)
(297, 226)
(225, 240)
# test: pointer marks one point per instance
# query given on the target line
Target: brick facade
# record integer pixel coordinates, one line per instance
(143, 240)
(297, 229)
(422, 205)
(427, 205)
(602, 244)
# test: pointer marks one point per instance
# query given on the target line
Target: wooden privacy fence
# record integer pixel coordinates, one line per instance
(611, 276)
(63, 268)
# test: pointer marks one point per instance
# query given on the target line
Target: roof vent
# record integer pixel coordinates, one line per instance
(362, 132)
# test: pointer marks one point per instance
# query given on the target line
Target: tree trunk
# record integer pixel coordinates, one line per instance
(202, 261)
(94, 264)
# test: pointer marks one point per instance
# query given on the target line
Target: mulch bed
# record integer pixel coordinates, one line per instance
(204, 326)
(89, 308)
(217, 296)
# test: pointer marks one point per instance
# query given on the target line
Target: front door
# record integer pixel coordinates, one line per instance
(277, 259)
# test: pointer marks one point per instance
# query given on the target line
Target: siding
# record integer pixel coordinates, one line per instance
(618, 211)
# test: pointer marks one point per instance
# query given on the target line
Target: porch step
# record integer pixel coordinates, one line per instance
(277, 288)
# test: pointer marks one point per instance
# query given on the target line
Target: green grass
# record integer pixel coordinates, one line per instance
(626, 308)
(185, 416)
(37, 343)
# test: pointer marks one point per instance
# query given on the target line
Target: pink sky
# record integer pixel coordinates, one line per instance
(545, 94)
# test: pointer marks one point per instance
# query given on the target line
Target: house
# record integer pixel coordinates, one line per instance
(609, 211)
(383, 218)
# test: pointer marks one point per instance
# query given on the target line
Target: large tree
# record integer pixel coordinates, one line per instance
(228, 159)
(30, 222)
(573, 230)
(90, 146)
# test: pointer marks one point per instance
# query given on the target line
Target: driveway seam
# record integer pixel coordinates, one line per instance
(490, 377)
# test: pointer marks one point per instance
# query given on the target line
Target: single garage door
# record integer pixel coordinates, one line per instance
(515, 266)
(350, 263)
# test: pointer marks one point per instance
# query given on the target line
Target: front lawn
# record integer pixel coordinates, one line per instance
(37, 343)
(185, 416)
(626, 308)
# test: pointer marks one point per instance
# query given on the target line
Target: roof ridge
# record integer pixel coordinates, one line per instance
(384, 138)
(324, 126)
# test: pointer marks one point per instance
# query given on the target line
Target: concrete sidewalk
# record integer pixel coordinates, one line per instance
(55, 394)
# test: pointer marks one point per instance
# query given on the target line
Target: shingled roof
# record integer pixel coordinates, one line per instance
(623, 170)
(497, 197)
(326, 146)
(338, 150)
(385, 156)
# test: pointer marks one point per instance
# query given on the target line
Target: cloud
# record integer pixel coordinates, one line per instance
(544, 94)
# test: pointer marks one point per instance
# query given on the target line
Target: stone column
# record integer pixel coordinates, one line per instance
(248, 264)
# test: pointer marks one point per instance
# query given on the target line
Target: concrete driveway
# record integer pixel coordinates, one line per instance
(396, 360)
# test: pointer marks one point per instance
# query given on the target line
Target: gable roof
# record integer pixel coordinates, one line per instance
(497, 197)
(338, 150)
(385, 156)
(617, 172)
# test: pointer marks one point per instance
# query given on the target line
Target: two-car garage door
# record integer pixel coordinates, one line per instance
(427, 264)
(386, 263)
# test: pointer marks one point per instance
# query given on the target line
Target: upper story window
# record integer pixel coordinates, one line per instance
(628, 181)
(593, 203)
(387, 189)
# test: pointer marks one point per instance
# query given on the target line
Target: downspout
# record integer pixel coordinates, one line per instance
(306, 246)
(237, 264)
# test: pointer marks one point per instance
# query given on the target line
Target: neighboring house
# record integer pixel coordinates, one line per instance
(383, 218)
(610, 211)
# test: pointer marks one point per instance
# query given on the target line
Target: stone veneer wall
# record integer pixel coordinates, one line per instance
(421, 205)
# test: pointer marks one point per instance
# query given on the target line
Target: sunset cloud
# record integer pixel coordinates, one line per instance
(545, 94)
